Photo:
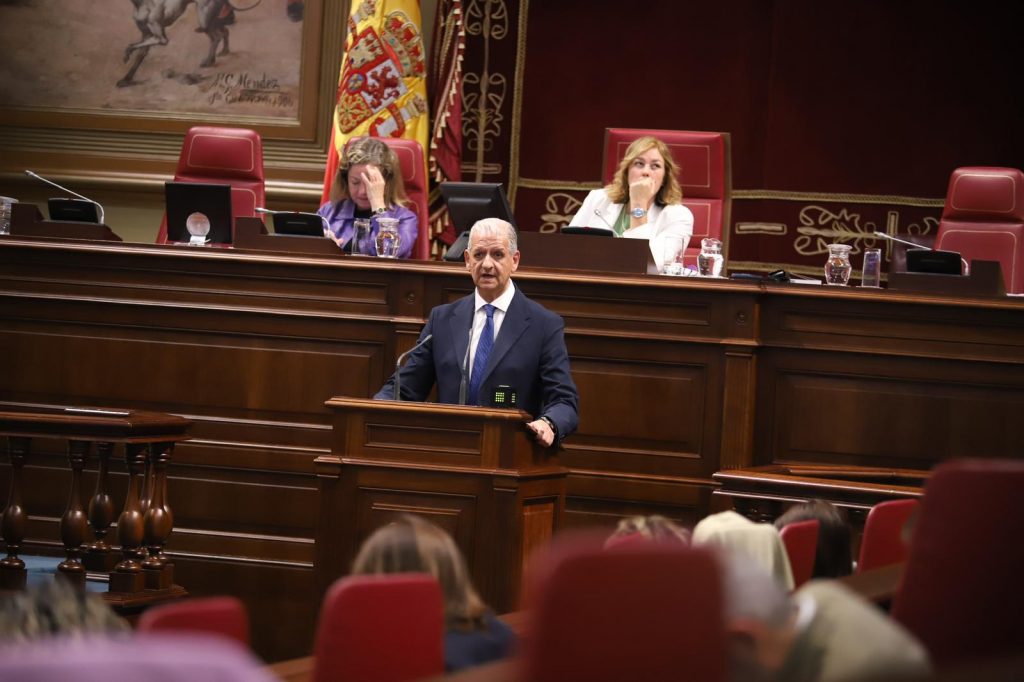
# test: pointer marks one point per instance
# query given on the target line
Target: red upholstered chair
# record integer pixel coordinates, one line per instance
(417, 188)
(882, 543)
(801, 542)
(983, 219)
(380, 628)
(705, 175)
(225, 616)
(640, 611)
(223, 155)
(960, 593)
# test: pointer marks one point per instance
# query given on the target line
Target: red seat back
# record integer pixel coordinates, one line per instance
(960, 593)
(380, 628)
(705, 174)
(223, 155)
(882, 543)
(801, 542)
(640, 611)
(225, 616)
(983, 219)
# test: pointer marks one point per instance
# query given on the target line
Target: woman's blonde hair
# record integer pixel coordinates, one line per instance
(370, 150)
(670, 191)
(413, 545)
(657, 529)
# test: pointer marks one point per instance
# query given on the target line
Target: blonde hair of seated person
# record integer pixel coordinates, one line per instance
(413, 545)
(669, 193)
(654, 528)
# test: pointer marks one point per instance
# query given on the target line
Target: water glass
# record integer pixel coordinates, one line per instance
(361, 242)
(388, 239)
(5, 214)
(871, 275)
(837, 267)
(671, 256)
(710, 260)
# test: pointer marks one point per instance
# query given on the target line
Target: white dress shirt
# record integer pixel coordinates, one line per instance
(501, 305)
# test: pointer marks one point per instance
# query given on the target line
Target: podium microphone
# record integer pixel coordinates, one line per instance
(963, 261)
(398, 365)
(464, 370)
(77, 211)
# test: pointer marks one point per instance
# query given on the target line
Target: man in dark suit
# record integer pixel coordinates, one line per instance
(494, 337)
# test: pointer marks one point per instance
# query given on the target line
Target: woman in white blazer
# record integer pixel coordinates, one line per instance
(642, 201)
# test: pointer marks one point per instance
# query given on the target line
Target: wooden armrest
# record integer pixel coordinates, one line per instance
(878, 585)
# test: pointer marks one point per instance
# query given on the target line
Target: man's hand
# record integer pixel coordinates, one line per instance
(542, 432)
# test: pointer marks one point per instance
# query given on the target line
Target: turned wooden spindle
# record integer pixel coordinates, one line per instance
(12, 568)
(73, 524)
(158, 521)
(127, 574)
(98, 556)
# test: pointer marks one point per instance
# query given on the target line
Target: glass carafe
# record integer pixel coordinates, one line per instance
(388, 239)
(837, 267)
(710, 259)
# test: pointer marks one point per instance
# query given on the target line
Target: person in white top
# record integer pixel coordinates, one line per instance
(642, 201)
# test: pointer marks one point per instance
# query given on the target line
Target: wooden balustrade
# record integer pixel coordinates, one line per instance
(145, 522)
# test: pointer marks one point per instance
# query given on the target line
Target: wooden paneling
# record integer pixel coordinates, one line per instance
(678, 379)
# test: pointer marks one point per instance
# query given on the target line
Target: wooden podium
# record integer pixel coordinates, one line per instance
(477, 472)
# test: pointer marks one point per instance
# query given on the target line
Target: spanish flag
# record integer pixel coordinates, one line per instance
(382, 89)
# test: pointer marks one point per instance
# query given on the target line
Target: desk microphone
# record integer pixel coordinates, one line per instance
(400, 360)
(883, 235)
(99, 208)
(464, 370)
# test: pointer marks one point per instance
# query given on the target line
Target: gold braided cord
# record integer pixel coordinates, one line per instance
(755, 194)
(893, 199)
(517, 102)
(534, 183)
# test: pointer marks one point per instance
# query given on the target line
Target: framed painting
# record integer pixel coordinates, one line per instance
(135, 74)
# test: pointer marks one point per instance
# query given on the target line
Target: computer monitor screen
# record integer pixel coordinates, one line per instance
(299, 224)
(932, 261)
(469, 202)
(74, 210)
(194, 201)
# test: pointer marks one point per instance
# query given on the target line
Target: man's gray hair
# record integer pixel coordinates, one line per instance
(495, 227)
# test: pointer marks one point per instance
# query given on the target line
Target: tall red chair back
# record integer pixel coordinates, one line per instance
(380, 628)
(233, 156)
(882, 543)
(983, 219)
(960, 593)
(705, 174)
(226, 616)
(801, 542)
(417, 188)
(639, 611)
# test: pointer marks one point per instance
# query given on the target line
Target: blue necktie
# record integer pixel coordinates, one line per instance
(483, 351)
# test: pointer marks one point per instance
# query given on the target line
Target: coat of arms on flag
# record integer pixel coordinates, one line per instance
(382, 90)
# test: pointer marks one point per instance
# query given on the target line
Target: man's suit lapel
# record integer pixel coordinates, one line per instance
(459, 325)
(516, 321)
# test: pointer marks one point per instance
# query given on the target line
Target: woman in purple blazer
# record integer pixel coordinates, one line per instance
(368, 185)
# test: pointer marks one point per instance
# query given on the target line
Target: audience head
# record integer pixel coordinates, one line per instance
(833, 557)
(360, 154)
(760, 543)
(656, 529)
(413, 545)
(492, 256)
(55, 608)
(669, 193)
